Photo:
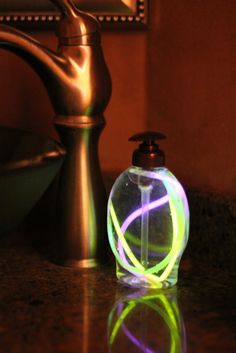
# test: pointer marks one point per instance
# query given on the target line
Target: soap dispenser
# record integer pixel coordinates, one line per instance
(148, 218)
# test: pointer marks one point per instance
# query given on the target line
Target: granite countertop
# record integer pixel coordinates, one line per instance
(47, 308)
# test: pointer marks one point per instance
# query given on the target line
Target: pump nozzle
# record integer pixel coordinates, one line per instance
(148, 155)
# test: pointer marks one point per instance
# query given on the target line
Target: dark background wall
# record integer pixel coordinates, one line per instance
(179, 77)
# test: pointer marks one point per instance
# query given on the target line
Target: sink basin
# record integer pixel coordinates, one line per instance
(28, 164)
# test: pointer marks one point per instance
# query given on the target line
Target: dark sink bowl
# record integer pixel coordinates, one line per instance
(28, 164)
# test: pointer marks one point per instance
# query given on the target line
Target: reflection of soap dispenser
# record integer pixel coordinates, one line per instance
(148, 322)
(148, 218)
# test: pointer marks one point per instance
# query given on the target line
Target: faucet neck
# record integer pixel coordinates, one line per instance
(76, 76)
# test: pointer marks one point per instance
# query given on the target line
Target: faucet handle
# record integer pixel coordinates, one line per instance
(75, 24)
(66, 7)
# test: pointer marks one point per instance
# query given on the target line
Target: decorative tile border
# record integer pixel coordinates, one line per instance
(138, 19)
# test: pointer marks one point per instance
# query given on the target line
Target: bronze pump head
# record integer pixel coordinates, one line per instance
(79, 87)
(148, 155)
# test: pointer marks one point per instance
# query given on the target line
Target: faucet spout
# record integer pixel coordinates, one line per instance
(72, 77)
(78, 84)
(45, 62)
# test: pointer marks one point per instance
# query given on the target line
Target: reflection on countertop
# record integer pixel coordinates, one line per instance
(47, 308)
(147, 321)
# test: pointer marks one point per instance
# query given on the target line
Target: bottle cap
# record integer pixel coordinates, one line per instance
(148, 155)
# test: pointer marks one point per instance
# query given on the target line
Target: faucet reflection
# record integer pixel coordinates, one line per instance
(147, 322)
(79, 87)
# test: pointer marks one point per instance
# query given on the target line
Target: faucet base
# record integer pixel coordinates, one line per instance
(81, 200)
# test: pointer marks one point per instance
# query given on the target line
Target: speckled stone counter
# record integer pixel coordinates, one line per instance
(46, 308)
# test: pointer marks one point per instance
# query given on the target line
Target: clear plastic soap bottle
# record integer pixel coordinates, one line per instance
(148, 218)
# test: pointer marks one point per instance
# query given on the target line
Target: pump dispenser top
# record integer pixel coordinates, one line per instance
(148, 155)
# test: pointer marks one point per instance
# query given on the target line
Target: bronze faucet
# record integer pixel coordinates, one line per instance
(79, 87)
